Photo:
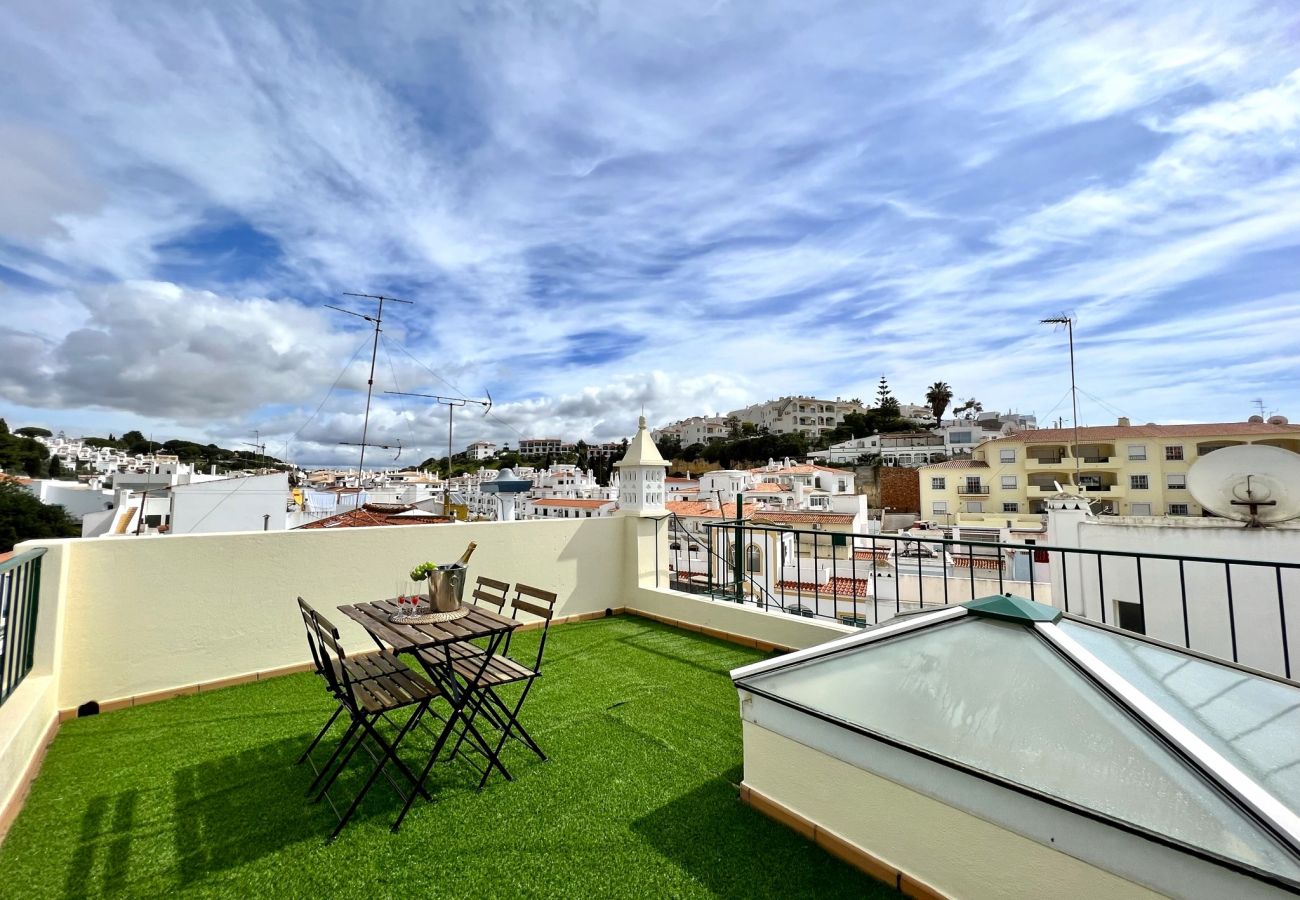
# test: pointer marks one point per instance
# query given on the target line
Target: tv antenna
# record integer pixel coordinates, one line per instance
(451, 403)
(377, 319)
(1252, 483)
(259, 445)
(396, 444)
(1068, 322)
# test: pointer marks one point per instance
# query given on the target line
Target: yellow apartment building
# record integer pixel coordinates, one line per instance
(1130, 470)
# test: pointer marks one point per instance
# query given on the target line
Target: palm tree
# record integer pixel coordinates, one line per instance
(937, 398)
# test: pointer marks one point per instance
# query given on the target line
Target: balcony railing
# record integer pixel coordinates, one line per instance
(20, 581)
(1192, 601)
(977, 490)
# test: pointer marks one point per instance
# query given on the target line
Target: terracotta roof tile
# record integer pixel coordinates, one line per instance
(574, 504)
(1111, 432)
(796, 516)
(707, 508)
(375, 514)
(959, 464)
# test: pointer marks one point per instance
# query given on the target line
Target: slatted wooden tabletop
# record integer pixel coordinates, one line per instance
(404, 638)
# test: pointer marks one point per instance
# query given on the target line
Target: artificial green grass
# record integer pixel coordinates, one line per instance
(199, 795)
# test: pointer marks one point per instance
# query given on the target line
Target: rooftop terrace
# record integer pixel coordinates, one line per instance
(199, 794)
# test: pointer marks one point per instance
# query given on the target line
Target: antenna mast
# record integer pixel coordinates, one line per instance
(451, 403)
(377, 319)
(257, 445)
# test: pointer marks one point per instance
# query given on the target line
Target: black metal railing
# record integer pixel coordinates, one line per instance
(20, 585)
(1211, 605)
(974, 489)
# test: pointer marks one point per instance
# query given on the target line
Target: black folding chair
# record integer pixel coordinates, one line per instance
(501, 670)
(369, 665)
(366, 701)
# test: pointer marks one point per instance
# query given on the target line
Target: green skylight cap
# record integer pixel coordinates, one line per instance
(1013, 609)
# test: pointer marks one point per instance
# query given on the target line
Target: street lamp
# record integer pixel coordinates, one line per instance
(1074, 391)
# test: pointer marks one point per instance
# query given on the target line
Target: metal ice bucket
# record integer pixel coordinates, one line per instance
(446, 587)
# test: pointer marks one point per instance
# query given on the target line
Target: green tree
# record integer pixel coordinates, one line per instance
(969, 409)
(748, 429)
(24, 518)
(733, 427)
(584, 454)
(4, 427)
(937, 398)
(32, 431)
(56, 467)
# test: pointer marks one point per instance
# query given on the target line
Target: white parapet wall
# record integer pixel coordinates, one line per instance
(1249, 606)
(158, 614)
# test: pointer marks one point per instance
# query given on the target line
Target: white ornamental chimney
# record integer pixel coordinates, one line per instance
(641, 476)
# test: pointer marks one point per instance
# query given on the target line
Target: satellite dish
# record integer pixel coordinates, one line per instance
(1253, 483)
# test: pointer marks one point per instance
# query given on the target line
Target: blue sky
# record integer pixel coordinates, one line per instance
(603, 206)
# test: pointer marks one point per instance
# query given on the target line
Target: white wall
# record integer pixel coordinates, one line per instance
(76, 498)
(230, 504)
(1255, 605)
(157, 613)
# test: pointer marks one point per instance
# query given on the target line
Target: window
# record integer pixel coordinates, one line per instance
(939, 507)
(938, 484)
(1178, 509)
(1137, 451)
(1007, 456)
(1139, 509)
(960, 437)
(1009, 482)
(1011, 507)
(975, 506)
(1138, 482)
(1176, 482)
(1131, 616)
(1174, 453)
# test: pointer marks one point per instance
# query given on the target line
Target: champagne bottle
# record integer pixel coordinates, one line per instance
(464, 557)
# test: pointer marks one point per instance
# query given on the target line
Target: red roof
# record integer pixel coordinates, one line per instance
(707, 508)
(373, 514)
(1111, 432)
(960, 464)
(840, 587)
(572, 504)
(796, 517)
(799, 469)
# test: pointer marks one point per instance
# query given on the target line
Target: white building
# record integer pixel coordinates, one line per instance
(540, 446)
(803, 415)
(569, 509)
(481, 450)
(694, 430)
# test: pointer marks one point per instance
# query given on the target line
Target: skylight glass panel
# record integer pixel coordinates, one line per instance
(993, 696)
(1253, 722)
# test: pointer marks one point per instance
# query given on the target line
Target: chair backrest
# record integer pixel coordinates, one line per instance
(539, 603)
(491, 591)
(333, 660)
(313, 642)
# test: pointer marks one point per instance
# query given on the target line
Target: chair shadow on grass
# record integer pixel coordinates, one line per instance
(737, 853)
(239, 808)
(104, 846)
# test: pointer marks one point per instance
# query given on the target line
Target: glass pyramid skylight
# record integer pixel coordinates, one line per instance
(995, 692)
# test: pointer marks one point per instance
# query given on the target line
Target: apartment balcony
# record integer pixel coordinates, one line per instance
(973, 490)
(1045, 462)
